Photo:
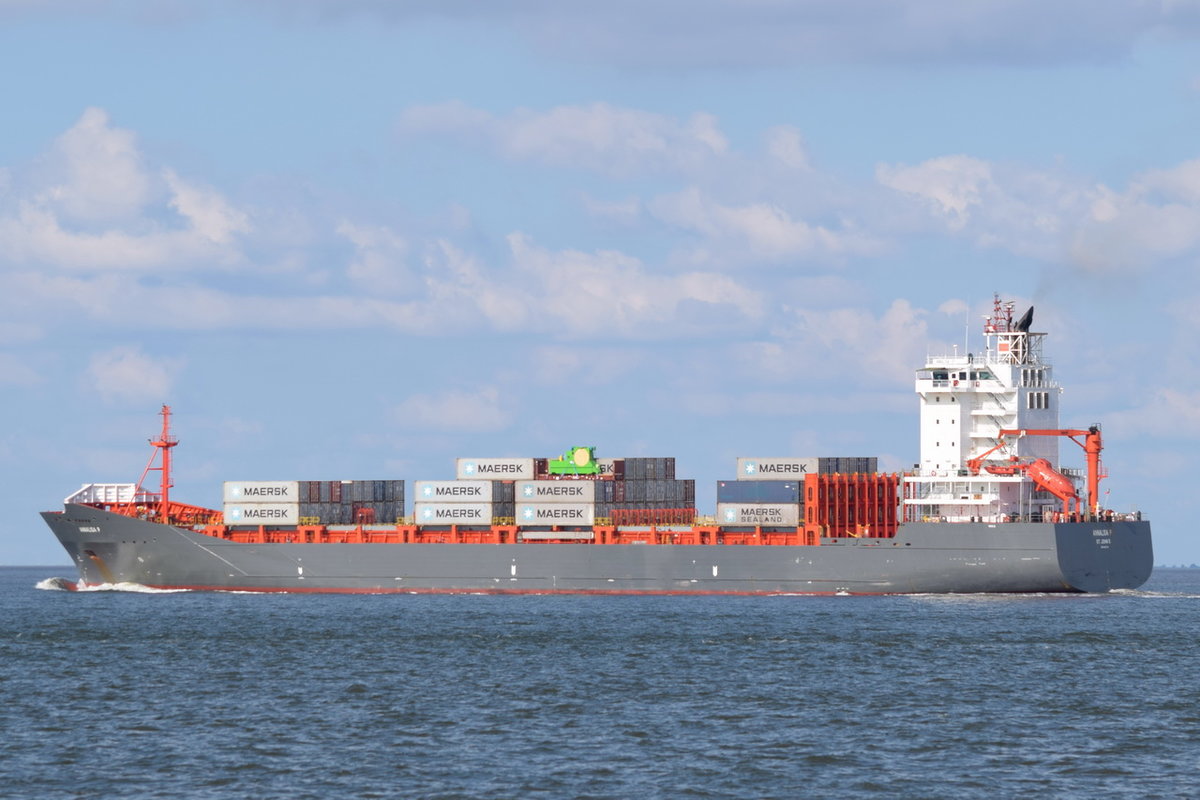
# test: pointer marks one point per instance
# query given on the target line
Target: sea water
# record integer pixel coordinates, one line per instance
(139, 694)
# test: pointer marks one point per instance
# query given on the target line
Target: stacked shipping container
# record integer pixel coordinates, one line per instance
(645, 491)
(841, 496)
(462, 502)
(313, 502)
(481, 495)
(768, 491)
(641, 489)
(262, 502)
(759, 502)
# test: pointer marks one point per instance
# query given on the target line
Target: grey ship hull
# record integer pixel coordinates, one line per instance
(923, 558)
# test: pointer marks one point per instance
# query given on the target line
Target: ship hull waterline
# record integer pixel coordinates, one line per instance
(923, 558)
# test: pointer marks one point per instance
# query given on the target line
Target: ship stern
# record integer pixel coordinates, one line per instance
(1101, 556)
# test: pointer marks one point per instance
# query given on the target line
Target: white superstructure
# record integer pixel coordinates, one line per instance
(965, 401)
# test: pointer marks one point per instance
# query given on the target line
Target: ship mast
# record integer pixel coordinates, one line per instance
(162, 446)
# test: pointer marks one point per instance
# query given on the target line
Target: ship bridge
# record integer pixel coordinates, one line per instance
(966, 400)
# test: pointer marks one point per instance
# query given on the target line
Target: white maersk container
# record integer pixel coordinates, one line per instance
(765, 514)
(555, 513)
(571, 491)
(262, 491)
(452, 492)
(452, 513)
(608, 466)
(287, 514)
(494, 469)
(776, 469)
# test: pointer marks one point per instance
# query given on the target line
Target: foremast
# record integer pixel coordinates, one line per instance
(134, 500)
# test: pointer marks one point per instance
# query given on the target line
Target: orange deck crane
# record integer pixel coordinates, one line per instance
(1040, 470)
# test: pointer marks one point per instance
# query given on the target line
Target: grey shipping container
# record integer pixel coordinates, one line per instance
(653, 469)
(362, 491)
(849, 464)
(759, 491)
(604, 491)
(647, 493)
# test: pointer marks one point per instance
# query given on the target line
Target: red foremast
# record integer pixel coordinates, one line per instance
(158, 506)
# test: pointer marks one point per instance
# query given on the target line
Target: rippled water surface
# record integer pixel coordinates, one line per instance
(205, 695)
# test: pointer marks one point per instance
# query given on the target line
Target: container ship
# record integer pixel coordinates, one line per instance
(988, 508)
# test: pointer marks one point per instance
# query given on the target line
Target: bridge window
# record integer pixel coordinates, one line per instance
(1033, 377)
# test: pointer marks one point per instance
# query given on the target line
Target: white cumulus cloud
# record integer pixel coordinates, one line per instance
(608, 292)
(950, 184)
(1057, 218)
(96, 171)
(380, 262)
(760, 231)
(786, 145)
(209, 213)
(597, 136)
(477, 410)
(1168, 412)
(92, 204)
(849, 344)
(126, 374)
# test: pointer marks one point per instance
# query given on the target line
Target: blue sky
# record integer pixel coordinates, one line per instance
(358, 239)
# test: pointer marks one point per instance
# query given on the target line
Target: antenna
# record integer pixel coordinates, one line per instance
(967, 329)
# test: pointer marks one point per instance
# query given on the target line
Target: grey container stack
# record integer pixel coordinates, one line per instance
(521, 486)
(373, 502)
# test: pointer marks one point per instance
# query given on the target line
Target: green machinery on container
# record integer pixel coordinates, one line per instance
(576, 461)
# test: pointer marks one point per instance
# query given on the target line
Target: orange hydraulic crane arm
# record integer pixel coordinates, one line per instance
(976, 463)
(1092, 444)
